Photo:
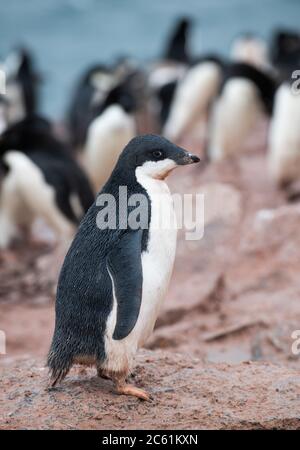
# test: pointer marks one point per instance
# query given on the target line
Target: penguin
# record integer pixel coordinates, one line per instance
(40, 179)
(193, 96)
(113, 126)
(245, 94)
(114, 278)
(284, 137)
(22, 85)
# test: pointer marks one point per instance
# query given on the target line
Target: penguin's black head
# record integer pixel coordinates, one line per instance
(24, 134)
(154, 156)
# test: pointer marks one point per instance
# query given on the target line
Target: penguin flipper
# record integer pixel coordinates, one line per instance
(124, 264)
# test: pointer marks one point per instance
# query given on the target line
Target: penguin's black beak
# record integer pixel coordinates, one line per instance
(187, 158)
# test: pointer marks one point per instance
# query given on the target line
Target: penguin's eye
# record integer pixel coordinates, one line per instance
(157, 154)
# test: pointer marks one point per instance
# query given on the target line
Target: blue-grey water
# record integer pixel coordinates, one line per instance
(68, 35)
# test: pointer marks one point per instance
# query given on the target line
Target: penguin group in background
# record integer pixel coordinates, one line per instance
(114, 280)
(39, 178)
(22, 86)
(104, 115)
(198, 94)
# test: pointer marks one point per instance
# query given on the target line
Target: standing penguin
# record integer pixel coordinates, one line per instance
(113, 280)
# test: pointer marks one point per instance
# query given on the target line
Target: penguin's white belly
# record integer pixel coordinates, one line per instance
(284, 137)
(157, 265)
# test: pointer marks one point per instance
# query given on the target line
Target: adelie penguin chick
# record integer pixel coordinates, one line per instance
(113, 281)
(39, 179)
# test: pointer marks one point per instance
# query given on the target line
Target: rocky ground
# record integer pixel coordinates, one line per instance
(186, 394)
(221, 354)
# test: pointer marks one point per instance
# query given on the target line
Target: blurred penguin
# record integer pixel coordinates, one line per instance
(284, 137)
(250, 49)
(110, 130)
(165, 73)
(22, 85)
(39, 178)
(245, 94)
(193, 96)
(93, 86)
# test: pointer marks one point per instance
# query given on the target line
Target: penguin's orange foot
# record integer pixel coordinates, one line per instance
(129, 389)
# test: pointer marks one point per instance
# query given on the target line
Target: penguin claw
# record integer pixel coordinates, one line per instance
(129, 389)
